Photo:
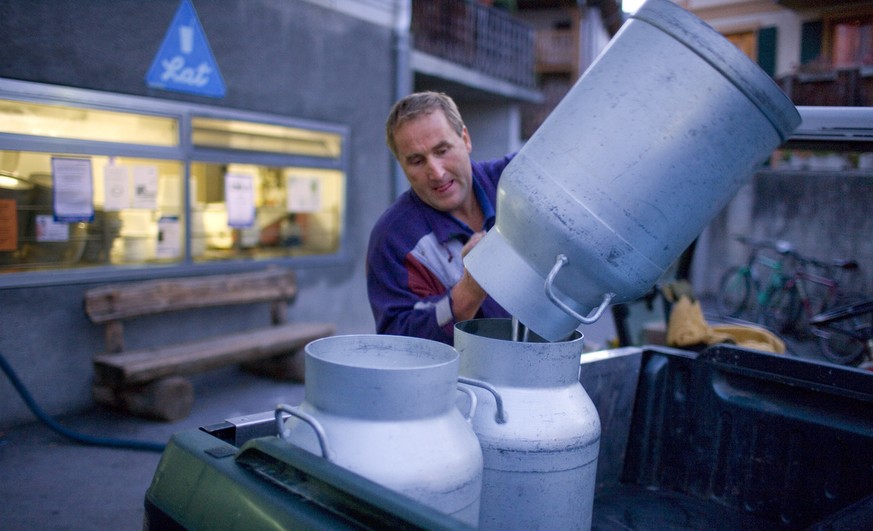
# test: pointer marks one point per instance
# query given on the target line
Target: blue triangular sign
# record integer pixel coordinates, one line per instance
(184, 63)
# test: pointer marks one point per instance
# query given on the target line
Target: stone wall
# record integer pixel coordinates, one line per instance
(824, 215)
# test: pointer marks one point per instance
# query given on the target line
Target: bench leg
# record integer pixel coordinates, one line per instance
(282, 367)
(165, 399)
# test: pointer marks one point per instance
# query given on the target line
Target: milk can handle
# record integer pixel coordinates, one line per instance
(473, 402)
(560, 262)
(285, 433)
(500, 416)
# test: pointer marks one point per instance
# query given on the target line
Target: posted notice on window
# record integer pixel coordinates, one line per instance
(239, 195)
(145, 187)
(49, 230)
(73, 189)
(304, 194)
(169, 237)
(116, 188)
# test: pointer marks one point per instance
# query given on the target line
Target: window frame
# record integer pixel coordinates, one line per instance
(185, 153)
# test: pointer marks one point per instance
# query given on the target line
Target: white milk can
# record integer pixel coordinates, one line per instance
(384, 407)
(658, 134)
(539, 430)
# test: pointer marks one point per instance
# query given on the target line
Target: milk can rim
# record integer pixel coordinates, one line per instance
(428, 354)
(464, 325)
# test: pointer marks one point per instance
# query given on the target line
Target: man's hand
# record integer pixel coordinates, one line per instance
(467, 295)
(474, 239)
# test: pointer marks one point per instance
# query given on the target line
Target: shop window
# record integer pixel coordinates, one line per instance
(256, 211)
(101, 189)
(134, 213)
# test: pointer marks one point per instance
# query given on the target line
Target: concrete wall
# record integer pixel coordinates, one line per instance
(823, 214)
(288, 57)
(491, 127)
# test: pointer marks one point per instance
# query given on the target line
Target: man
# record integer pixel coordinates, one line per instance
(416, 280)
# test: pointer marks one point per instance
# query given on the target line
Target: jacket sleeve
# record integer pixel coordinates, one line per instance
(406, 298)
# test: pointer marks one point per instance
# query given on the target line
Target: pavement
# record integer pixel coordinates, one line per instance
(49, 482)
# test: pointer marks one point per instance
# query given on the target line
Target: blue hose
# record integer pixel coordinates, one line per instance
(66, 432)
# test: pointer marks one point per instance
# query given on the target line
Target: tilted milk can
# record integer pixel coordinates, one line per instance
(645, 149)
(539, 430)
(384, 407)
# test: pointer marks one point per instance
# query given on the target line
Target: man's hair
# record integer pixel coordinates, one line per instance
(418, 104)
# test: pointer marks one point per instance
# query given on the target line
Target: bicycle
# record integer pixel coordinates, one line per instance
(852, 326)
(784, 294)
(810, 290)
(740, 294)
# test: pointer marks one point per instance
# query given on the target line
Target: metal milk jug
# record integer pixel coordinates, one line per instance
(658, 134)
(539, 430)
(384, 407)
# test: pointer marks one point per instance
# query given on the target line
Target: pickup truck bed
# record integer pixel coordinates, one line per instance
(731, 439)
(724, 439)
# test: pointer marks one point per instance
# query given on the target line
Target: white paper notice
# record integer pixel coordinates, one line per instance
(116, 188)
(304, 194)
(73, 189)
(145, 187)
(239, 195)
(49, 230)
(169, 237)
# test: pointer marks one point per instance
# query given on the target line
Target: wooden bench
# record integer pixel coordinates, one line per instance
(151, 382)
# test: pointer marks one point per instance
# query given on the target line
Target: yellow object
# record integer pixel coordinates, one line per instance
(752, 337)
(687, 327)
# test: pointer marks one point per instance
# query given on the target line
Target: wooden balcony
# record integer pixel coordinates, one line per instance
(851, 87)
(557, 51)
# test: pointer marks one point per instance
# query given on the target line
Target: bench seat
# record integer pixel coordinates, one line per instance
(151, 382)
(140, 366)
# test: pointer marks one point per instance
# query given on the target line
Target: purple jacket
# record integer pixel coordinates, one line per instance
(414, 260)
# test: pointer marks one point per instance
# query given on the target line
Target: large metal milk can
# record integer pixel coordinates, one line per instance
(539, 430)
(658, 134)
(384, 407)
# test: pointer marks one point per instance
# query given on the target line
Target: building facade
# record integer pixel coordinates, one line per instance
(305, 88)
(219, 176)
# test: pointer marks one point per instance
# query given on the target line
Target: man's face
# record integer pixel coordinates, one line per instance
(436, 161)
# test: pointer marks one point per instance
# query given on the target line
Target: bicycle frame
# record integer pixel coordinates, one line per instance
(787, 299)
(777, 280)
(797, 306)
(744, 290)
(800, 279)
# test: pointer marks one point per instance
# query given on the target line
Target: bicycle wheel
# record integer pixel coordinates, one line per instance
(843, 342)
(782, 312)
(735, 293)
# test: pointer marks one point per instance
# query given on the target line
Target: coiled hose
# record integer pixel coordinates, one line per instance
(68, 433)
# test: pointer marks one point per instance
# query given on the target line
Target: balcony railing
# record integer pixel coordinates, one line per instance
(482, 38)
(850, 87)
